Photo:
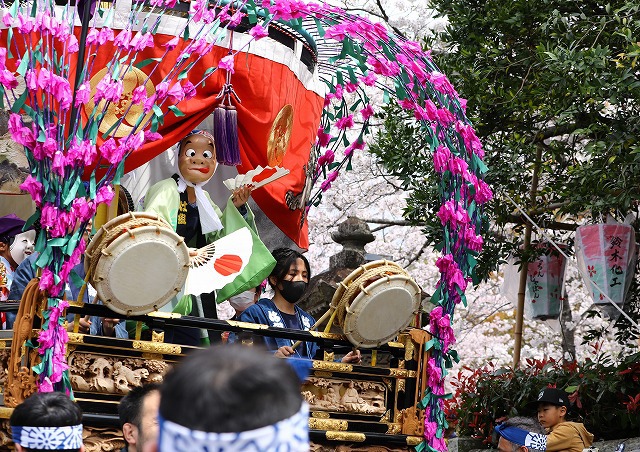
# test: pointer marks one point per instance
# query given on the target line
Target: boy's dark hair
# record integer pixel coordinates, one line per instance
(130, 407)
(284, 258)
(47, 409)
(230, 388)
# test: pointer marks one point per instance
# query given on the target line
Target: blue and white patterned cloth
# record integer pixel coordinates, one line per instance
(48, 438)
(288, 435)
(537, 441)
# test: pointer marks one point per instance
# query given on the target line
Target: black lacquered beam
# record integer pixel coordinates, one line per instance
(162, 320)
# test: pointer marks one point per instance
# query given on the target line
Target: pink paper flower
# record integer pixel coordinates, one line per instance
(25, 24)
(383, 66)
(104, 195)
(323, 138)
(83, 209)
(235, 20)
(258, 32)
(189, 90)
(45, 385)
(441, 158)
(72, 44)
(483, 192)
(331, 177)
(326, 158)
(108, 89)
(141, 41)
(435, 374)
(441, 83)
(92, 36)
(472, 241)
(7, 20)
(175, 93)
(172, 44)
(227, 63)
(445, 116)
(46, 279)
(110, 151)
(345, 122)
(123, 39)
(34, 188)
(106, 35)
(470, 138)
(161, 89)
(7, 79)
(83, 93)
(139, 95)
(20, 134)
(149, 103)
(356, 145)
(458, 166)
(337, 32)
(3, 57)
(369, 79)
(407, 104)
(152, 136)
(367, 112)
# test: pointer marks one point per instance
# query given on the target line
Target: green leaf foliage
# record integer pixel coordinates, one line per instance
(541, 76)
(604, 394)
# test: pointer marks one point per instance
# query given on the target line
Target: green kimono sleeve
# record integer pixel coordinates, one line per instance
(163, 199)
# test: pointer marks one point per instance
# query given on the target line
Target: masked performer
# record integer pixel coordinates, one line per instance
(15, 246)
(182, 201)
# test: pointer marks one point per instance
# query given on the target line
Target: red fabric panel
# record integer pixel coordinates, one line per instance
(264, 88)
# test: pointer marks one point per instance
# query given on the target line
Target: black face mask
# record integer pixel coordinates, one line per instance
(292, 291)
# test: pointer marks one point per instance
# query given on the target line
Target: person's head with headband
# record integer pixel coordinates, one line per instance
(232, 398)
(521, 434)
(47, 421)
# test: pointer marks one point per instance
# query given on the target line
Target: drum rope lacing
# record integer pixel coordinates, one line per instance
(353, 288)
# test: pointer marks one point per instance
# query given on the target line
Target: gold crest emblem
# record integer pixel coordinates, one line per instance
(130, 113)
(279, 136)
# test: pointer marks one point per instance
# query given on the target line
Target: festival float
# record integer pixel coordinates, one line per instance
(95, 90)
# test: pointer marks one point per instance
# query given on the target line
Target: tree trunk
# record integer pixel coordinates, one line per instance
(568, 333)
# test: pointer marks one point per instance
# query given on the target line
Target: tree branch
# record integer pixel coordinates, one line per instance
(388, 222)
(554, 225)
(386, 19)
(418, 254)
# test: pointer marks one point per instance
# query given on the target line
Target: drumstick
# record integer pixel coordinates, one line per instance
(315, 325)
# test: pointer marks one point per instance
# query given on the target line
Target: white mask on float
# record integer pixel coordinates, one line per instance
(22, 246)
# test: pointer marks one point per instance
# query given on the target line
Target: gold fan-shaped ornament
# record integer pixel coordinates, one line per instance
(133, 78)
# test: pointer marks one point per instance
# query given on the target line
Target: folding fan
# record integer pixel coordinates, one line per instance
(256, 177)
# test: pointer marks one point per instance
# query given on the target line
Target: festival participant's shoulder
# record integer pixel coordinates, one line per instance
(161, 187)
(250, 314)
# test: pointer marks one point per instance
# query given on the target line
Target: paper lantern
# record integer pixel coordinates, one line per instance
(544, 288)
(606, 255)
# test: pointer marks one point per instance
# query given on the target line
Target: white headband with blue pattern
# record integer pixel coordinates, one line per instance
(48, 438)
(291, 435)
(522, 437)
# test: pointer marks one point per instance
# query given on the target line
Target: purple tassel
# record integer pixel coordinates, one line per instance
(220, 134)
(233, 145)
